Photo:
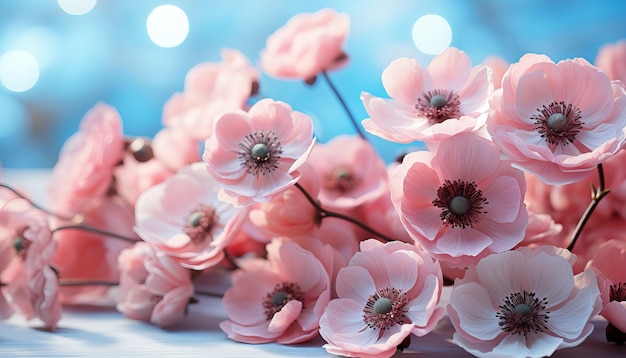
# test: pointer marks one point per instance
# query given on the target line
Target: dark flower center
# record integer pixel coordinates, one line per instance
(617, 292)
(282, 293)
(21, 244)
(200, 222)
(260, 152)
(558, 123)
(522, 312)
(385, 308)
(461, 203)
(341, 179)
(438, 105)
(141, 149)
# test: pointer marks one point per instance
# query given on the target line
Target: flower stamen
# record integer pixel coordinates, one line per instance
(438, 105)
(200, 223)
(522, 313)
(282, 293)
(260, 152)
(461, 203)
(617, 292)
(385, 308)
(558, 123)
(341, 179)
(21, 244)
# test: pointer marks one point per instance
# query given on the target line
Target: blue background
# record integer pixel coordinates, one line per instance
(106, 55)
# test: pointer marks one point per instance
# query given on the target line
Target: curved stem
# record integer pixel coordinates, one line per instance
(231, 260)
(79, 282)
(344, 105)
(323, 213)
(93, 230)
(596, 196)
(209, 294)
(35, 205)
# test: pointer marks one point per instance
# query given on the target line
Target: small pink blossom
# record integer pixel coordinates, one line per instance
(461, 202)
(306, 45)
(278, 300)
(32, 287)
(87, 256)
(612, 60)
(153, 286)
(429, 104)
(355, 177)
(558, 121)
(498, 66)
(184, 217)
(255, 156)
(291, 213)
(84, 170)
(210, 90)
(133, 177)
(523, 303)
(386, 292)
(609, 261)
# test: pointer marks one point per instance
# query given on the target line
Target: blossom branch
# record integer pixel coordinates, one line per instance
(209, 294)
(344, 105)
(79, 282)
(231, 260)
(323, 213)
(35, 205)
(93, 230)
(596, 195)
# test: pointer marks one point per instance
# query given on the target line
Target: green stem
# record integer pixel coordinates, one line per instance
(323, 213)
(344, 105)
(596, 196)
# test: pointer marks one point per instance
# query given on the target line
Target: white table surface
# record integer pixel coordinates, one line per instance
(88, 331)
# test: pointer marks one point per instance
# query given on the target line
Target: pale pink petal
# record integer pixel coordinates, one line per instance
(476, 311)
(285, 317)
(355, 282)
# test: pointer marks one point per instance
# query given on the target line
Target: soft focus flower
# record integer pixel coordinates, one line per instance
(498, 66)
(279, 300)
(210, 90)
(291, 213)
(557, 121)
(184, 217)
(609, 261)
(612, 60)
(87, 256)
(386, 292)
(84, 170)
(351, 179)
(461, 202)
(429, 104)
(174, 149)
(255, 155)
(306, 45)
(153, 286)
(31, 284)
(133, 177)
(523, 303)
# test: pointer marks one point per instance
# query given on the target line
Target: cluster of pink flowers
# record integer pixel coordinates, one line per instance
(326, 239)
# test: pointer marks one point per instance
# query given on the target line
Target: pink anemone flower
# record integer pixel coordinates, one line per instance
(255, 156)
(355, 177)
(278, 300)
(30, 284)
(609, 262)
(461, 202)
(210, 90)
(558, 121)
(523, 303)
(429, 104)
(84, 170)
(306, 45)
(387, 292)
(184, 217)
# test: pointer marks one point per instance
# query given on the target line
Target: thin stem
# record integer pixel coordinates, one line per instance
(209, 294)
(344, 105)
(79, 282)
(35, 205)
(94, 230)
(231, 260)
(323, 213)
(596, 196)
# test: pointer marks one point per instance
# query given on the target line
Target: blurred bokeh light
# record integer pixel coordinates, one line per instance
(59, 58)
